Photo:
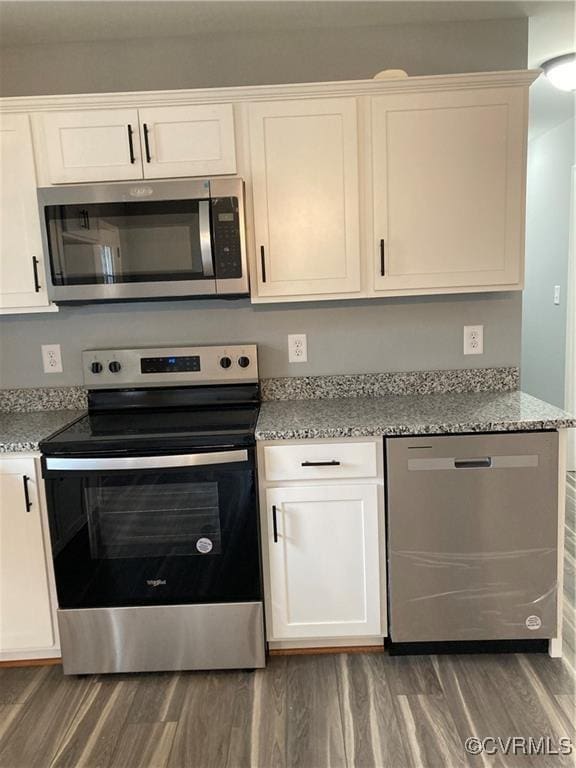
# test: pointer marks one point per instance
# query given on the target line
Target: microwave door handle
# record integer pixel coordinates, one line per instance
(205, 238)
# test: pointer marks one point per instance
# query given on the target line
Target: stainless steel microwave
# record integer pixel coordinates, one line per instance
(145, 240)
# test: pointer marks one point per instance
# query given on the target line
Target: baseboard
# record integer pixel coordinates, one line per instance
(31, 662)
(316, 650)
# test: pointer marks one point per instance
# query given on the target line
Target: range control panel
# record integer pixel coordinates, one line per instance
(162, 366)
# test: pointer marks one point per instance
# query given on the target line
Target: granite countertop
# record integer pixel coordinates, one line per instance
(23, 431)
(390, 415)
(408, 415)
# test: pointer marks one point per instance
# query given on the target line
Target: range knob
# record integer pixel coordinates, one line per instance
(243, 361)
(96, 367)
(114, 366)
(225, 362)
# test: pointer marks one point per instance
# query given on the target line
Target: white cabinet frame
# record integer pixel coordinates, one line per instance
(361, 278)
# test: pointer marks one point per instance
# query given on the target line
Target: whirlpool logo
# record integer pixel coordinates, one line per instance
(156, 582)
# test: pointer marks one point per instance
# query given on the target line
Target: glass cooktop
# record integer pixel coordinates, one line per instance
(162, 430)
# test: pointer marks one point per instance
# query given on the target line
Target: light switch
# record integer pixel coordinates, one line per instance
(556, 294)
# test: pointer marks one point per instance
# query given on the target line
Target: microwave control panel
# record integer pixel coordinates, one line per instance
(227, 237)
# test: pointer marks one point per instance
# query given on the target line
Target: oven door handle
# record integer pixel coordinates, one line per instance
(205, 238)
(146, 462)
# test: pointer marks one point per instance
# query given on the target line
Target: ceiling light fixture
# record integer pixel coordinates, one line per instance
(561, 71)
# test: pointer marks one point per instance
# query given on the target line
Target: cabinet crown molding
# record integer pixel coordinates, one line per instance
(238, 94)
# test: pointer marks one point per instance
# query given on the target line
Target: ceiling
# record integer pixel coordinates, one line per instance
(34, 23)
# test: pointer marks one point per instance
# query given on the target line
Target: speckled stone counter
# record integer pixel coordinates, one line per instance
(394, 383)
(408, 415)
(23, 431)
(43, 399)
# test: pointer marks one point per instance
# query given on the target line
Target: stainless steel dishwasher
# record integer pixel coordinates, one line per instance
(472, 537)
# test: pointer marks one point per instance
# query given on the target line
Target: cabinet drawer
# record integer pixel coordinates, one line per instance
(320, 461)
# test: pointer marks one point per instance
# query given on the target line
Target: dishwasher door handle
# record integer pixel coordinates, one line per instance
(484, 462)
(448, 463)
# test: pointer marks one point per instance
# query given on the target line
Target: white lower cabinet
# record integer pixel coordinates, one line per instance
(25, 606)
(323, 551)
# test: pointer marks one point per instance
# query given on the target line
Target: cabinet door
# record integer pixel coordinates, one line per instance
(324, 566)
(305, 184)
(20, 239)
(25, 618)
(98, 145)
(448, 184)
(188, 141)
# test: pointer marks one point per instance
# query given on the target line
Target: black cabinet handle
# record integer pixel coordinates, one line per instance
(26, 493)
(131, 145)
(332, 463)
(147, 144)
(274, 524)
(263, 263)
(485, 462)
(382, 259)
(35, 263)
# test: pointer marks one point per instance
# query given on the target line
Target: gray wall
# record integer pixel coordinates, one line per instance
(263, 58)
(550, 160)
(380, 335)
(343, 337)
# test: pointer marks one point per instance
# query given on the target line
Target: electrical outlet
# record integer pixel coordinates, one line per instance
(473, 339)
(297, 348)
(51, 358)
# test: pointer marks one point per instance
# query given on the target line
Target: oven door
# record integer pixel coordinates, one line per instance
(128, 241)
(154, 530)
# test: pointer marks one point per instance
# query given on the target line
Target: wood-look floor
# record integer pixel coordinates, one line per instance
(307, 711)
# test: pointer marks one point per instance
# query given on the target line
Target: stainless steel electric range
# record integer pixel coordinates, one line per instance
(153, 515)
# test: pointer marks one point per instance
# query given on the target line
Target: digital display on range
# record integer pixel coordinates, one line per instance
(169, 364)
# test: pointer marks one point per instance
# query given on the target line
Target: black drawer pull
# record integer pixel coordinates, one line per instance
(147, 144)
(332, 463)
(263, 263)
(484, 462)
(274, 524)
(27, 493)
(35, 263)
(131, 145)
(382, 259)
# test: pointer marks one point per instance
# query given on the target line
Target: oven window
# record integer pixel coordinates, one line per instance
(108, 243)
(146, 520)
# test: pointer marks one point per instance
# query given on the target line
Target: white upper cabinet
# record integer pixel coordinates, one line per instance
(152, 143)
(324, 561)
(448, 178)
(22, 274)
(25, 609)
(188, 141)
(92, 145)
(304, 159)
